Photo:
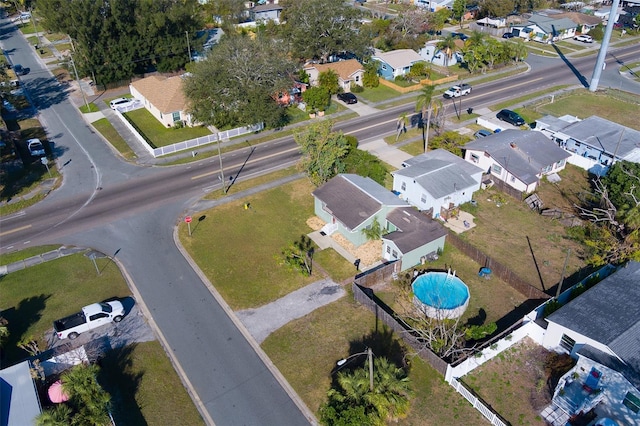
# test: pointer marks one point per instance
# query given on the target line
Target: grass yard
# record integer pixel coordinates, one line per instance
(583, 103)
(111, 134)
(520, 238)
(158, 134)
(514, 383)
(378, 94)
(342, 328)
(34, 297)
(145, 389)
(237, 248)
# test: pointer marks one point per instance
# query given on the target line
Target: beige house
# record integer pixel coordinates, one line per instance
(349, 72)
(163, 98)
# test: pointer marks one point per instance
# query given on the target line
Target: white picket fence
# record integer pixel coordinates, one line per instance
(478, 404)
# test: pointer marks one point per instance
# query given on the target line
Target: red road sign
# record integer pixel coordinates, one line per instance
(188, 219)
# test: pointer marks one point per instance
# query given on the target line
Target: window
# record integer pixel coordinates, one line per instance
(176, 116)
(384, 67)
(403, 186)
(394, 254)
(98, 316)
(475, 158)
(496, 170)
(423, 198)
(388, 249)
(632, 402)
(546, 169)
(560, 164)
(513, 179)
(567, 343)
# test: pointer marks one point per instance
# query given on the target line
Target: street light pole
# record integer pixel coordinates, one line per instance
(188, 45)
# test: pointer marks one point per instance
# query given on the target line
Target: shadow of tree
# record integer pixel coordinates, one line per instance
(20, 318)
(383, 343)
(119, 378)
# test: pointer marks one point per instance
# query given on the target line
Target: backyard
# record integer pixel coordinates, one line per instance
(135, 376)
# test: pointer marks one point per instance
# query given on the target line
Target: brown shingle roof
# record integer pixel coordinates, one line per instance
(162, 92)
(344, 69)
(580, 18)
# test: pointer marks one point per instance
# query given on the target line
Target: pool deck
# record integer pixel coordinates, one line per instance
(457, 224)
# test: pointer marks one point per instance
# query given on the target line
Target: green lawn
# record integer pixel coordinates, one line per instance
(53, 37)
(243, 266)
(378, 94)
(111, 134)
(158, 134)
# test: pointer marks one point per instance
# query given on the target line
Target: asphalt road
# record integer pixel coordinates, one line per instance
(131, 212)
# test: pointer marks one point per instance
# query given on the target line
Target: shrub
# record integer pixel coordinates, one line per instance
(356, 88)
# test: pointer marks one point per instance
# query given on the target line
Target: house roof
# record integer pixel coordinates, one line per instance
(606, 135)
(399, 58)
(163, 93)
(344, 69)
(268, 7)
(18, 396)
(555, 124)
(440, 172)
(414, 229)
(353, 199)
(522, 152)
(609, 313)
(551, 25)
(580, 18)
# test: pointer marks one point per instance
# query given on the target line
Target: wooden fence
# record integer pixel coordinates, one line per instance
(425, 82)
(497, 268)
(381, 274)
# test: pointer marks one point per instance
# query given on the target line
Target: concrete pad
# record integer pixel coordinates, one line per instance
(462, 223)
(387, 153)
(263, 321)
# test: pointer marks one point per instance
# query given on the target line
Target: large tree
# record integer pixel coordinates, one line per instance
(236, 83)
(113, 39)
(323, 151)
(317, 29)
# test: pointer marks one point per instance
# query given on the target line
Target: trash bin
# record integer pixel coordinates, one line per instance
(469, 111)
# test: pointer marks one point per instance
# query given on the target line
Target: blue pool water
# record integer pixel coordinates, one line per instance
(440, 290)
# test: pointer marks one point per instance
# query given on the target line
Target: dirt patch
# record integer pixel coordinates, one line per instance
(368, 253)
(514, 383)
(315, 223)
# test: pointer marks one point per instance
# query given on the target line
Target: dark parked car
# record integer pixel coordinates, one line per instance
(482, 133)
(510, 117)
(461, 36)
(20, 70)
(508, 35)
(348, 98)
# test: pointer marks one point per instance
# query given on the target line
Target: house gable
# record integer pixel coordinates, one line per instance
(163, 93)
(348, 71)
(413, 230)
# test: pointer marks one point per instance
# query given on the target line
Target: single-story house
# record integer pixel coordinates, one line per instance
(594, 143)
(396, 63)
(350, 72)
(349, 203)
(19, 402)
(546, 29)
(163, 98)
(516, 157)
(434, 5)
(431, 53)
(437, 181)
(584, 22)
(412, 237)
(269, 11)
(602, 325)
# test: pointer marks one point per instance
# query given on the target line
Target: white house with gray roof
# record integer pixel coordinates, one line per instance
(545, 29)
(594, 143)
(396, 63)
(516, 157)
(436, 181)
(601, 327)
(349, 203)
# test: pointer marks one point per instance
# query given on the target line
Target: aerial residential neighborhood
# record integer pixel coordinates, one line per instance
(320, 212)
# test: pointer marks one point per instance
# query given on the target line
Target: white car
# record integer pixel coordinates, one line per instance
(36, 149)
(584, 38)
(120, 102)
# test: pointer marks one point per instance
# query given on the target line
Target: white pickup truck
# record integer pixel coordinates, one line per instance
(457, 91)
(90, 317)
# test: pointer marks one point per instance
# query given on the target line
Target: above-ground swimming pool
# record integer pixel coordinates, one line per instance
(441, 294)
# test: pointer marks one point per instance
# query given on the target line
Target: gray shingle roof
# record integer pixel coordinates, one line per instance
(607, 135)
(414, 229)
(552, 25)
(353, 199)
(440, 172)
(523, 153)
(609, 313)
(399, 58)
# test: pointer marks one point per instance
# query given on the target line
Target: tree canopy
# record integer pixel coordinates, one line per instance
(323, 151)
(317, 29)
(237, 82)
(115, 39)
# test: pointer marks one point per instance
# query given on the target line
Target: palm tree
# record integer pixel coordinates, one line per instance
(401, 125)
(60, 415)
(475, 39)
(447, 46)
(424, 103)
(85, 394)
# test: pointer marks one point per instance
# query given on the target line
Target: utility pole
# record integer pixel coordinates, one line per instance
(224, 182)
(370, 355)
(188, 45)
(597, 69)
(73, 63)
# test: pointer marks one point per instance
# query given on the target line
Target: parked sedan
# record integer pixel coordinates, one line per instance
(508, 35)
(510, 117)
(348, 98)
(36, 149)
(120, 102)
